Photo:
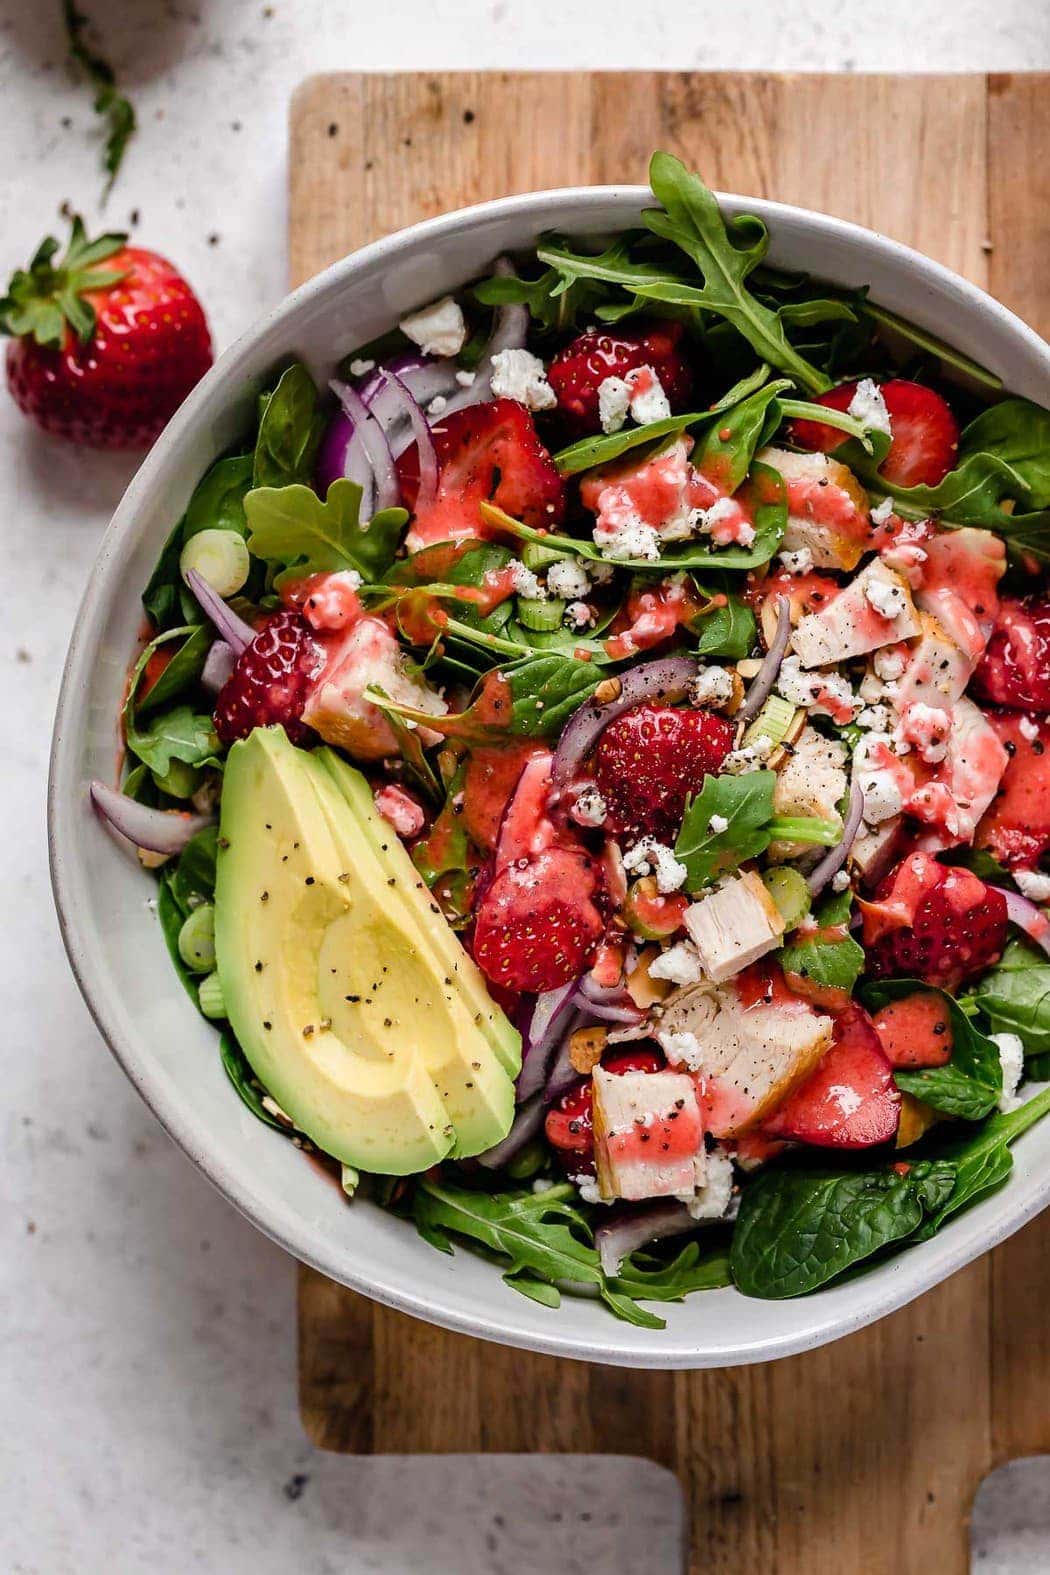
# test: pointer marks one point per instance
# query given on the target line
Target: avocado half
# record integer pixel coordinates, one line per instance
(351, 997)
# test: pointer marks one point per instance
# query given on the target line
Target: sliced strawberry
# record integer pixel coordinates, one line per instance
(925, 432)
(916, 1030)
(578, 371)
(537, 926)
(491, 777)
(270, 682)
(569, 1124)
(1015, 669)
(1016, 828)
(651, 759)
(486, 453)
(851, 1100)
(933, 923)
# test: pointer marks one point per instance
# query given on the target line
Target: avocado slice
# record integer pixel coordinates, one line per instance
(493, 1021)
(337, 1001)
(476, 1088)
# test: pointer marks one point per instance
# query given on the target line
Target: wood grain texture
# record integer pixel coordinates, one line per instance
(862, 1456)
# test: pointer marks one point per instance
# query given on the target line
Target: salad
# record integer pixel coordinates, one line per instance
(594, 757)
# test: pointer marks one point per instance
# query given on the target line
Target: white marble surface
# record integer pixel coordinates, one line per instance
(147, 1380)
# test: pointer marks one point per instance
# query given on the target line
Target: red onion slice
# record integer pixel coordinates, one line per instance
(617, 1238)
(1027, 916)
(369, 433)
(218, 666)
(608, 1011)
(237, 634)
(549, 1016)
(526, 1124)
(509, 332)
(155, 830)
(428, 465)
(833, 861)
(763, 681)
(666, 679)
(563, 1075)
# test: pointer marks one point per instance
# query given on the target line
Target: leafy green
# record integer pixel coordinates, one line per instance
(800, 1228)
(967, 1086)
(181, 673)
(249, 1089)
(118, 111)
(193, 877)
(171, 917)
(830, 961)
(644, 1275)
(589, 453)
(291, 526)
(725, 253)
(290, 429)
(218, 498)
(533, 698)
(727, 630)
(166, 599)
(178, 734)
(730, 443)
(745, 803)
(982, 1159)
(555, 302)
(1015, 995)
(931, 344)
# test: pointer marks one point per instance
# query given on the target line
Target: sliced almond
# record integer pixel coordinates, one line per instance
(643, 990)
(585, 1048)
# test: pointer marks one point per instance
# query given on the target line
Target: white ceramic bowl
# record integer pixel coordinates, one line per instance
(116, 949)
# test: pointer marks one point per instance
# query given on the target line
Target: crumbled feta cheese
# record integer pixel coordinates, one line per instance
(886, 597)
(437, 405)
(652, 857)
(724, 522)
(840, 881)
(882, 797)
(717, 824)
(648, 400)
(590, 808)
(876, 718)
(630, 537)
(614, 401)
(466, 379)
(749, 757)
(1028, 729)
(713, 1201)
(600, 573)
(882, 512)
(712, 686)
(520, 375)
(525, 582)
(928, 728)
(588, 1189)
(1033, 884)
(568, 578)
(438, 329)
(799, 562)
(681, 1049)
(580, 615)
(1011, 1059)
(359, 368)
(888, 663)
(824, 692)
(869, 407)
(542, 1184)
(679, 964)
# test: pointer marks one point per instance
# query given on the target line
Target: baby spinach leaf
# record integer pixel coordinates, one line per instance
(967, 1086)
(532, 698)
(1015, 995)
(218, 498)
(193, 877)
(249, 1090)
(290, 429)
(727, 630)
(729, 444)
(1017, 432)
(166, 599)
(725, 253)
(181, 673)
(830, 960)
(800, 1228)
(178, 734)
(291, 526)
(745, 804)
(982, 1159)
(171, 917)
(603, 448)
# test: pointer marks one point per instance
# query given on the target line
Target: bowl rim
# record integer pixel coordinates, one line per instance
(875, 1297)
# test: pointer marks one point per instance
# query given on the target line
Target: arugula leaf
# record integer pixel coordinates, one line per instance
(1015, 995)
(745, 803)
(982, 1159)
(178, 734)
(829, 961)
(725, 253)
(800, 1228)
(290, 430)
(602, 448)
(967, 1086)
(555, 302)
(291, 526)
(218, 498)
(930, 344)
(527, 699)
(644, 1275)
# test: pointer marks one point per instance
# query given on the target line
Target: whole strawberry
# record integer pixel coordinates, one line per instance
(933, 923)
(105, 344)
(651, 759)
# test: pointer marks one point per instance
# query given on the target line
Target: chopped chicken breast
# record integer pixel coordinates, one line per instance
(873, 610)
(734, 926)
(648, 1134)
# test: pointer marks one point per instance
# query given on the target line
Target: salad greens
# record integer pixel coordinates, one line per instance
(732, 819)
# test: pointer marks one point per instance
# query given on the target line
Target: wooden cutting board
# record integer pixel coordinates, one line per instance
(861, 1457)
